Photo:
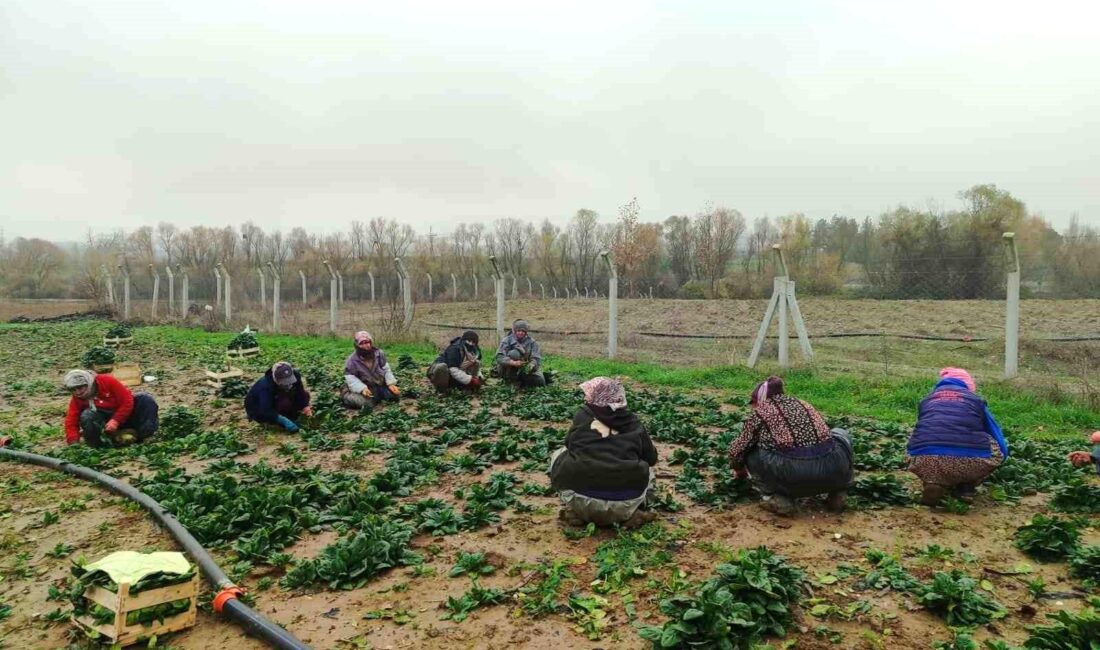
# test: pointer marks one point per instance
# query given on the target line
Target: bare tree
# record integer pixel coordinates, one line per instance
(717, 231)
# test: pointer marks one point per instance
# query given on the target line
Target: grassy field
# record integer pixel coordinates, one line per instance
(446, 479)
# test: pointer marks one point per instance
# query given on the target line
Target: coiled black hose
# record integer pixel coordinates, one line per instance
(227, 602)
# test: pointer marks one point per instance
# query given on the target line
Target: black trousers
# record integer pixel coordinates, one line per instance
(144, 420)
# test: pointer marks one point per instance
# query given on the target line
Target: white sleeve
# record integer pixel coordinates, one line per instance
(354, 385)
(459, 375)
(390, 379)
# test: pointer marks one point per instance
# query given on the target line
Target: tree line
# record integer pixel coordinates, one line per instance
(715, 253)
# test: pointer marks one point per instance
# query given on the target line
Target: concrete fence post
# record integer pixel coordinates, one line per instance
(156, 292)
(498, 285)
(228, 292)
(513, 286)
(110, 284)
(406, 291)
(542, 290)
(276, 281)
(125, 270)
(263, 287)
(171, 289)
(302, 274)
(1012, 308)
(454, 288)
(217, 286)
(430, 292)
(333, 297)
(371, 276)
(612, 305)
(475, 286)
(185, 288)
(340, 286)
(530, 290)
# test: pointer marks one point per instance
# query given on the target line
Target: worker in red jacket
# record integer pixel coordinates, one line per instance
(102, 404)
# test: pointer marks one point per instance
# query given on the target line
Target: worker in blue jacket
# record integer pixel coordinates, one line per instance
(278, 398)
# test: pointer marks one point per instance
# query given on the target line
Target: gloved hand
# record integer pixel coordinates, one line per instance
(1080, 458)
(111, 426)
(475, 382)
(308, 411)
(366, 393)
(393, 389)
(287, 424)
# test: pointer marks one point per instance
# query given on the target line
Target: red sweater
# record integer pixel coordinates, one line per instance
(110, 395)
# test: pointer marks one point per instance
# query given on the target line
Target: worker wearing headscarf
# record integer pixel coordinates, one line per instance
(789, 452)
(458, 365)
(604, 472)
(956, 442)
(367, 376)
(519, 359)
(102, 405)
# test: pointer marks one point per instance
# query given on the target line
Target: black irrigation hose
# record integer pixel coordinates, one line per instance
(835, 335)
(253, 622)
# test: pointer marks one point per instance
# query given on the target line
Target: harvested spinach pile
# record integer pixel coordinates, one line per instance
(245, 340)
(234, 387)
(98, 355)
(120, 331)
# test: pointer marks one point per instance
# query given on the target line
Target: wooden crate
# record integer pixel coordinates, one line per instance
(115, 342)
(216, 379)
(122, 603)
(241, 353)
(127, 373)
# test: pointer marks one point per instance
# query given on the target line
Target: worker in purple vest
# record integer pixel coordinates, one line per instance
(957, 442)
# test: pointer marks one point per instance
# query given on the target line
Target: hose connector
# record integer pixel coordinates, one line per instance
(227, 593)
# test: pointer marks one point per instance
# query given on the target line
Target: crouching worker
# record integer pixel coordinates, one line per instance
(1085, 458)
(519, 360)
(789, 453)
(278, 398)
(956, 442)
(102, 405)
(605, 471)
(458, 366)
(367, 376)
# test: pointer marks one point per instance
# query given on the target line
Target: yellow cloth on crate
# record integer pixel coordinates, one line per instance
(130, 566)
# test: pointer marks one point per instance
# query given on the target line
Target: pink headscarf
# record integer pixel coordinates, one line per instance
(361, 336)
(770, 387)
(961, 375)
(604, 391)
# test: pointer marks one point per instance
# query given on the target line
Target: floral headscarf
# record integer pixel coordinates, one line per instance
(604, 391)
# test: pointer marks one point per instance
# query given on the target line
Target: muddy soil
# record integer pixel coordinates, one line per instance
(814, 539)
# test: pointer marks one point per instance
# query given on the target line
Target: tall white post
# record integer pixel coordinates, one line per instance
(530, 290)
(171, 289)
(109, 281)
(228, 292)
(125, 291)
(430, 294)
(185, 287)
(555, 291)
(1012, 308)
(475, 286)
(612, 305)
(371, 276)
(263, 287)
(784, 342)
(498, 285)
(406, 291)
(340, 285)
(217, 286)
(156, 292)
(513, 287)
(276, 281)
(542, 289)
(302, 274)
(332, 297)
(585, 292)
(454, 288)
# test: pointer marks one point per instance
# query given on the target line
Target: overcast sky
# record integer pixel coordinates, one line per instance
(117, 114)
